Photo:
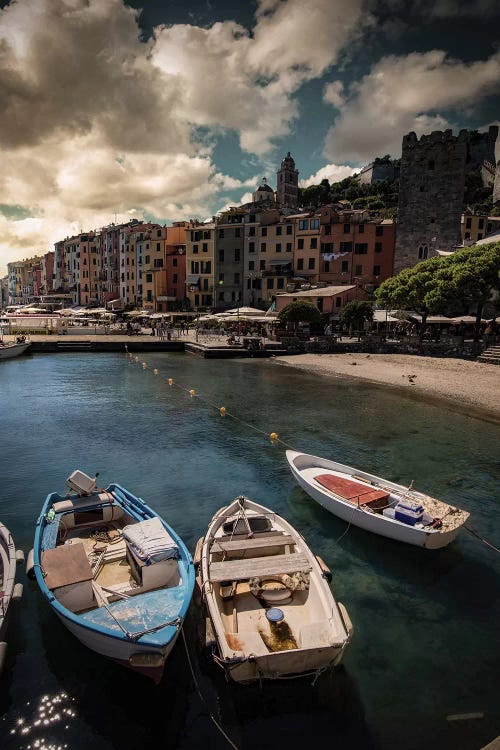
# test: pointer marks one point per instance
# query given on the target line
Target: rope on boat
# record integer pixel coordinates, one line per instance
(478, 536)
(202, 698)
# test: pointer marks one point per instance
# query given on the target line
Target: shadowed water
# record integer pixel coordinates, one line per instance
(426, 640)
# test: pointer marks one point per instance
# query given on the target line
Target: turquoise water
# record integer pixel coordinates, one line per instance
(426, 640)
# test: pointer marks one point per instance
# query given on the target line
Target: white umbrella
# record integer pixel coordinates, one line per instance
(245, 311)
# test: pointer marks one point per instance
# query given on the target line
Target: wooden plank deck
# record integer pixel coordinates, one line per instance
(241, 570)
(253, 543)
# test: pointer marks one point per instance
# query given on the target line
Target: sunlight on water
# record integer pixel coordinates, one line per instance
(48, 711)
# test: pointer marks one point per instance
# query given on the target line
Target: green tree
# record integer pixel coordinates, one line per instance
(472, 275)
(413, 289)
(355, 313)
(469, 276)
(300, 312)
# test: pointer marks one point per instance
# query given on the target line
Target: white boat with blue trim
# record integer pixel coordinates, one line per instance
(376, 504)
(115, 573)
(267, 597)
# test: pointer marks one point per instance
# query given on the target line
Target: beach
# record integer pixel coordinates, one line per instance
(470, 387)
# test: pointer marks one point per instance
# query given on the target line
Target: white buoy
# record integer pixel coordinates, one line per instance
(19, 556)
(17, 594)
(30, 565)
(3, 655)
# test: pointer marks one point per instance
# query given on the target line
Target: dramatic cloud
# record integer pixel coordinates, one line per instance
(401, 94)
(96, 123)
(229, 80)
(330, 172)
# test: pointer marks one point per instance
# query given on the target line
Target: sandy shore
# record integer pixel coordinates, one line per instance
(470, 387)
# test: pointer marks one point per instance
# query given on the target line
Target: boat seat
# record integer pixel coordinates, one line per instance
(252, 543)
(251, 567)
(248, 642)
(316, 634)
(83, 503)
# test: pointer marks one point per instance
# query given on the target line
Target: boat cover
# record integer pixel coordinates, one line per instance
(150, 541)
(65, 565)
(355, 492)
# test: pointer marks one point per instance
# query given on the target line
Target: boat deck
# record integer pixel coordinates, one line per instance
(450, 516)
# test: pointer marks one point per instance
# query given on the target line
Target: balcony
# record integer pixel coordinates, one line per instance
(277, 271)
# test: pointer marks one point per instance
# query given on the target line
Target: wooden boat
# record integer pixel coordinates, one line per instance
(268, 601)
(117, 576)
(13, 349)
(375, 504)
(9, 590)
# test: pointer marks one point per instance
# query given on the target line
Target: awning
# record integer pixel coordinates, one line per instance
(192, 278)
(278, 262)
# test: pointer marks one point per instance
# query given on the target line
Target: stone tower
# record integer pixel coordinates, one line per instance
(481, 148)
(288, 183)
(496, 187)
(431, 192)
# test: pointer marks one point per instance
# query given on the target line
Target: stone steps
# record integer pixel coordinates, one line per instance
(491, 355)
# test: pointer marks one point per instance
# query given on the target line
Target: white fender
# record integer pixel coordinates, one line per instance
(17, 594)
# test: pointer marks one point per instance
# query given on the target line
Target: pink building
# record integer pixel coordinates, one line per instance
(329, 299)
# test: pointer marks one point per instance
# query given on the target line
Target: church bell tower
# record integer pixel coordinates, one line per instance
(288, 183)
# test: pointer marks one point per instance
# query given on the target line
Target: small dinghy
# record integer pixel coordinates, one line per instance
(376, 504)
(117, 576)
(9, 590)
(270, 607)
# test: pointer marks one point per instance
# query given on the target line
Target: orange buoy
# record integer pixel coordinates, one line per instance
(222, 411)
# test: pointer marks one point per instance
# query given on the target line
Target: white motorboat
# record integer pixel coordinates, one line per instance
(376, 504)
(13, 349)
(117, 576)
(268, 600)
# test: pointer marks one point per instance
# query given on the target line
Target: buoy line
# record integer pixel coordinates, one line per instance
(273, 436)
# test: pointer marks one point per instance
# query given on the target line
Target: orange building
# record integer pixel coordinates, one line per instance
(355, 248)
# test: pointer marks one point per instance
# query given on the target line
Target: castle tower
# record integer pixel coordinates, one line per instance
(431, 192)
(496, 186)
(288, 183)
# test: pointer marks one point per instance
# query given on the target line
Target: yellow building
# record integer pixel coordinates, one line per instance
(476, 227)
(276, 251)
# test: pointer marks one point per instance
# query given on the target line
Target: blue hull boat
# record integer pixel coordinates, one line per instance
(114, 572)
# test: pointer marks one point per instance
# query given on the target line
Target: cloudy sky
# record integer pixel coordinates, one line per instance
(173, 109)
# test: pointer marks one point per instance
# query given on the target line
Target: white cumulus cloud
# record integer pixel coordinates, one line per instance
(330, 172)
(400, 94)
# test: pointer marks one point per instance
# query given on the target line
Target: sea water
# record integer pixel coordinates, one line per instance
(425, 643)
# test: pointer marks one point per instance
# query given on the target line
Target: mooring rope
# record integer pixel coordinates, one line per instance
(478, 536)
(202, 698)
